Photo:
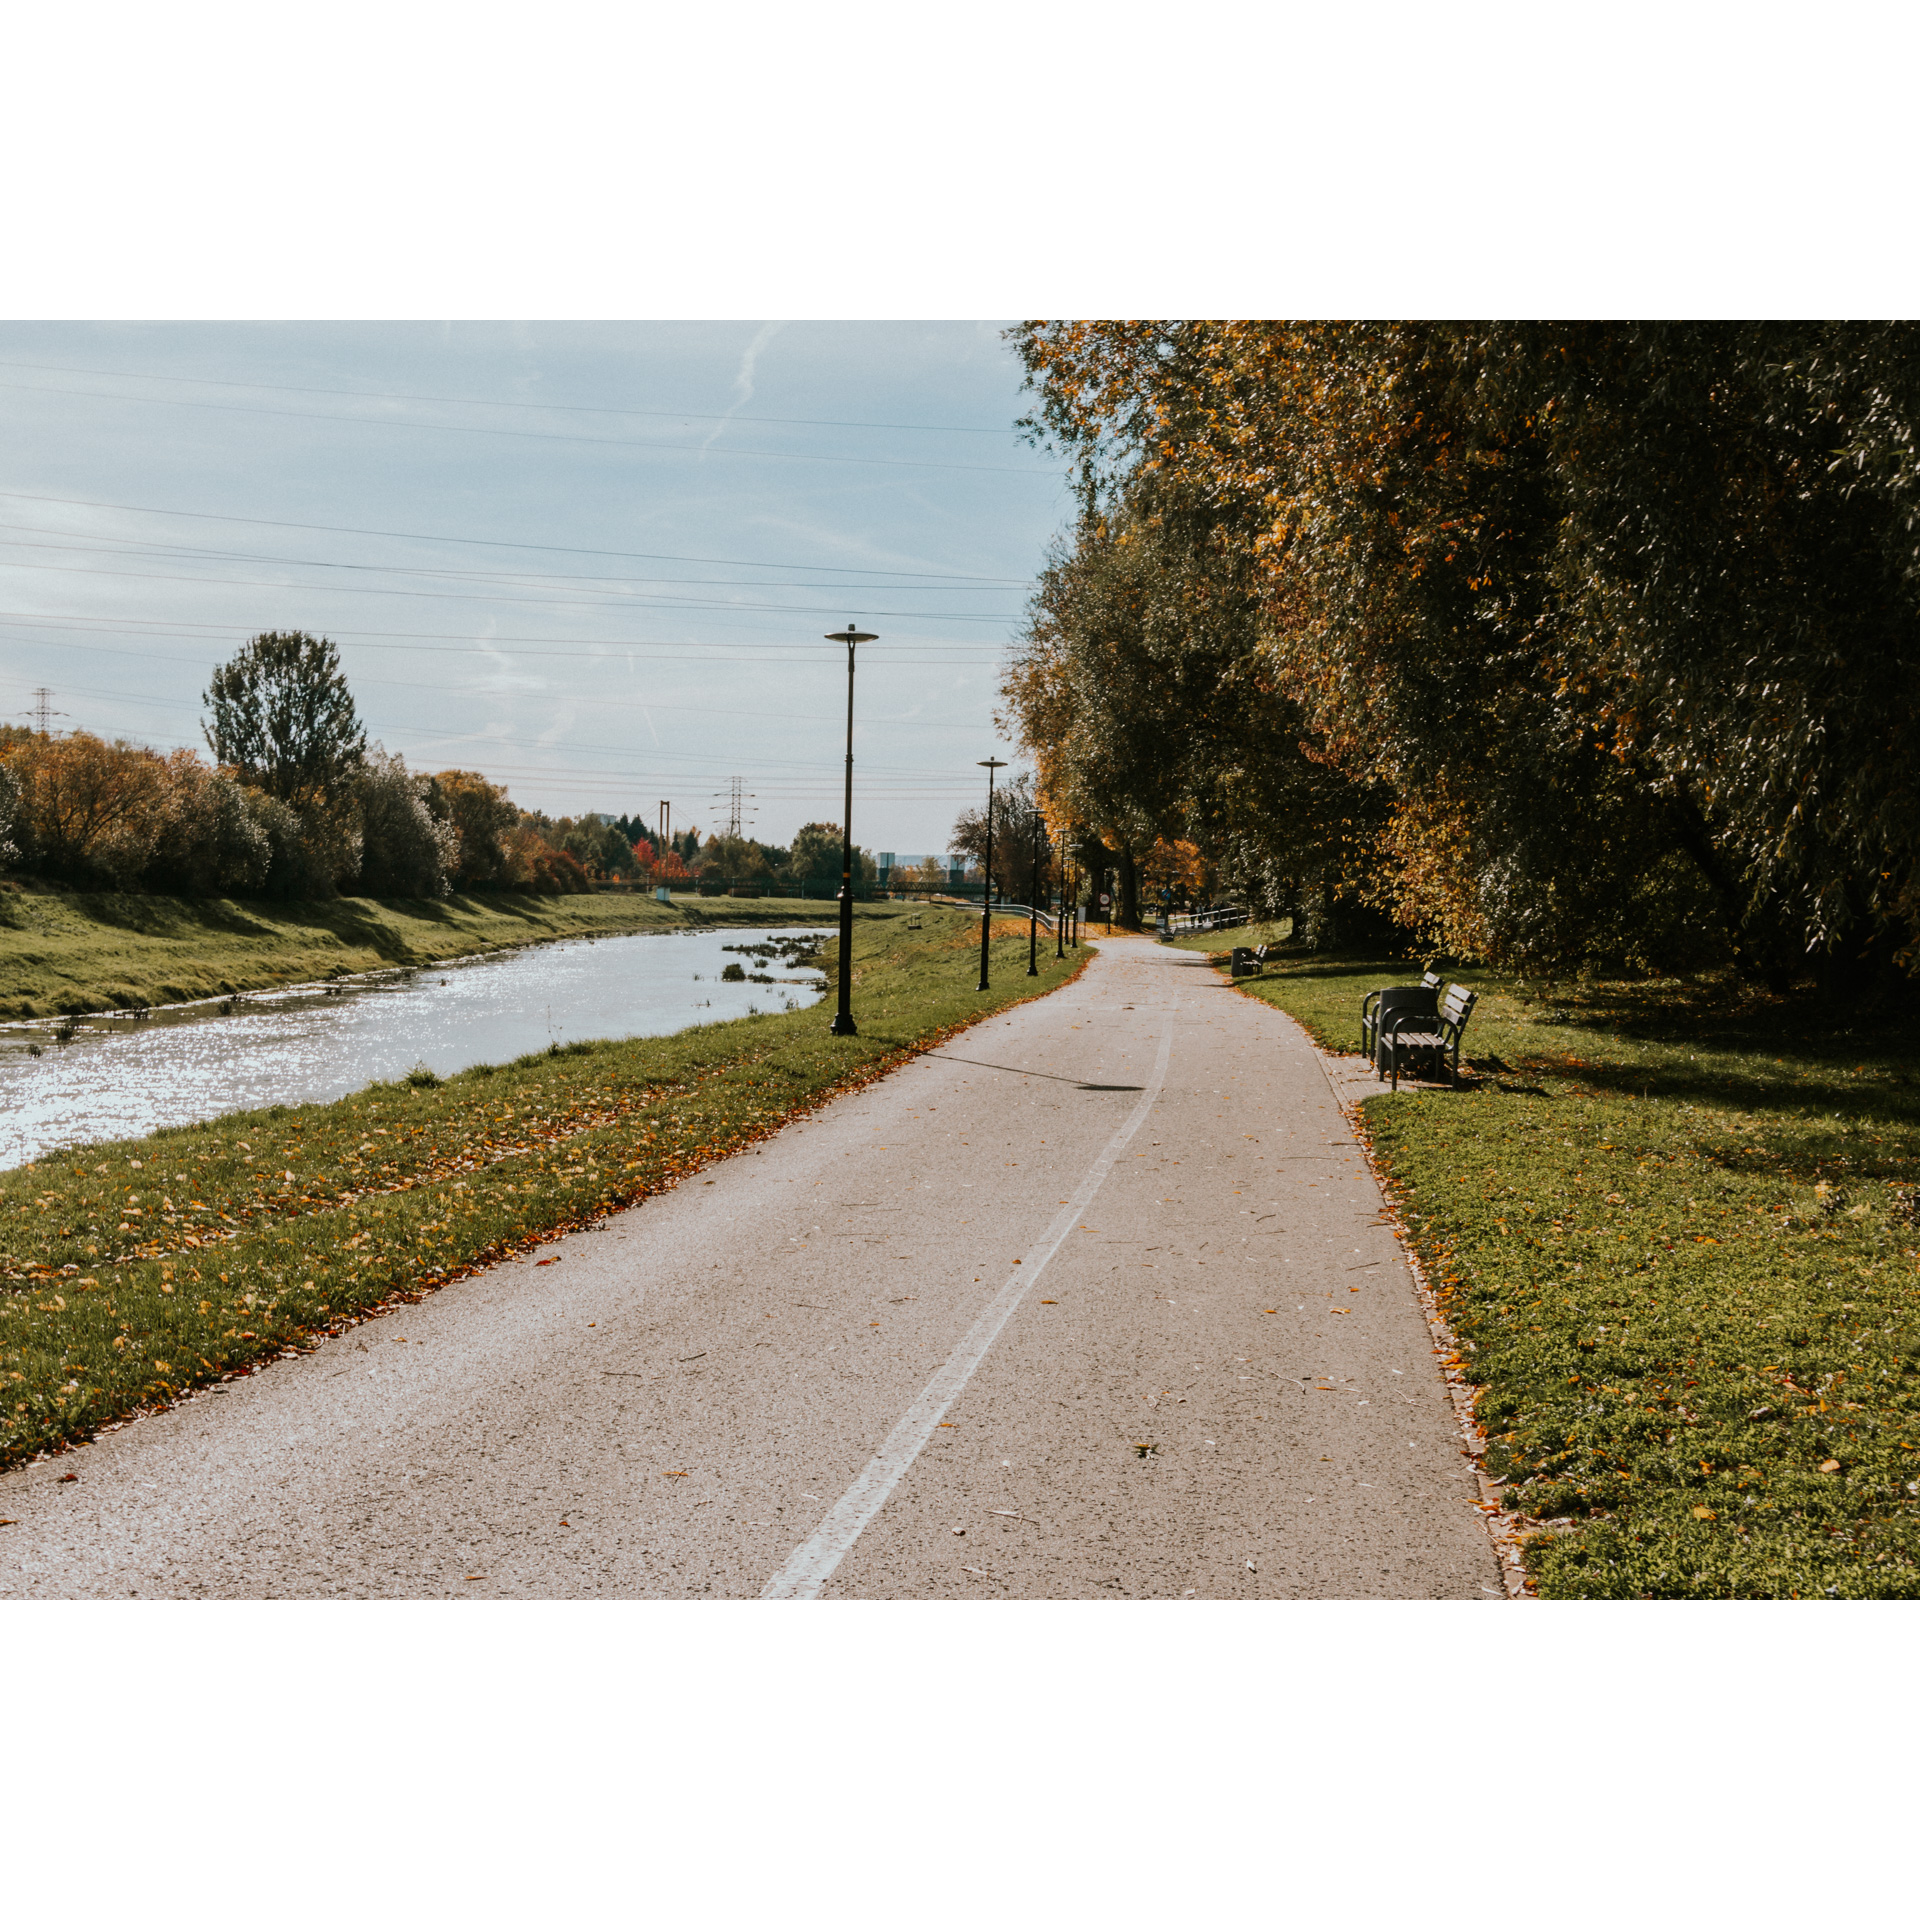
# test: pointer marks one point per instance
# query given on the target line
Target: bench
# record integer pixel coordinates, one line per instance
(1408, 1035)
(1370, 1008)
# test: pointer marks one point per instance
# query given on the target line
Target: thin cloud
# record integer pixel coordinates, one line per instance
(743, 380)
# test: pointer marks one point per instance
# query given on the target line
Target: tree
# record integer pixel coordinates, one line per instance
(483, 816)
(1615, 627)
(90, 811)
(281, 712)
(814, 857)
(210, 839)
(1142, 692)
(406, 852)
(9, 815)
(599, 846)
(732, 859)
(536, 866)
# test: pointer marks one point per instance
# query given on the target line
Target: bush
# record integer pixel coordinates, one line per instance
(310, 851)
(535, 867)
(210, 840)
(405, 851)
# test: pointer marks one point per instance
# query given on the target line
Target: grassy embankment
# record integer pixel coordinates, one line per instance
(88, 952)
(1674, 1233)
(132, 1273)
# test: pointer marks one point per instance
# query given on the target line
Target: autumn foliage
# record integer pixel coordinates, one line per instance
(1560, 644)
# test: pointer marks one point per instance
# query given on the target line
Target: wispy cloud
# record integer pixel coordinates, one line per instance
(743, 380)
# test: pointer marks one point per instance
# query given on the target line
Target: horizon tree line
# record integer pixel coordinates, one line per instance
(298, 804)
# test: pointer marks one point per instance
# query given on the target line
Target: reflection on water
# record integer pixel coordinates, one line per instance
(119, 1077)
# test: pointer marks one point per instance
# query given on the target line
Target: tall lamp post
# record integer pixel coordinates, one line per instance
(1033, 902)
(986, 891)
(1060, 912)
(843, 1020)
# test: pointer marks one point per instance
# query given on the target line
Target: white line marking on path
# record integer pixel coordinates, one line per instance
(813, 1563)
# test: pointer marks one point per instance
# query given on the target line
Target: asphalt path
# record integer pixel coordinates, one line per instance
(1095, 1302)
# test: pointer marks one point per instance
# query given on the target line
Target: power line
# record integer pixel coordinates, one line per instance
(525, 433)
(674, 602)
(139, 549)
(736, 797)
(519, 406)
(517, 546)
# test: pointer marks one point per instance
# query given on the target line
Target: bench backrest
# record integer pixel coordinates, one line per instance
(1430, 978)
(1407, 1000)
(1459, 1003)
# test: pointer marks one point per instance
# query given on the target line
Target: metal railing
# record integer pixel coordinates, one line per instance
(1211, 920)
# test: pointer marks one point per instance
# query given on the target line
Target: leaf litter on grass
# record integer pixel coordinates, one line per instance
(1685, 1282)
(133, 1272)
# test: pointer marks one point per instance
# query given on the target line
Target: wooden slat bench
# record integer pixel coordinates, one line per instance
(1370, 1008)
(1408, 1036)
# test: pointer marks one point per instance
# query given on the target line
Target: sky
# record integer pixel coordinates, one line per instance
(594, 561)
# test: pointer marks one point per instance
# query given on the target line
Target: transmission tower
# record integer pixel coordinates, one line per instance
(734, 809)
(666, 823)
(43, 712)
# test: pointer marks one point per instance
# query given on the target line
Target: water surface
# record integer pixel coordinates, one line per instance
(119, 1077)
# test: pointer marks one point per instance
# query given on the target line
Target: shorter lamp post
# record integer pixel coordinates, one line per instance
(1060, 911)
(843, 1019)
(986, 891)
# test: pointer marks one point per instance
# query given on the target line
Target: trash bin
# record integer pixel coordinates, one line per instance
(1246, 963)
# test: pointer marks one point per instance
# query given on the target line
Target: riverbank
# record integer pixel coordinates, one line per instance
(1673, 1227)
(93, 952)
(134, 1272)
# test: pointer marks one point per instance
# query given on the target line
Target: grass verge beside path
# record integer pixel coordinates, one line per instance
(131, 1273)
(90, 952)
(1673, 1229)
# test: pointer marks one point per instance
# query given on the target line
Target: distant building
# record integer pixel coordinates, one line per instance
(891, 863)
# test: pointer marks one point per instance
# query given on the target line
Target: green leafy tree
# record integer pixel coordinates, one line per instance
(280, 711)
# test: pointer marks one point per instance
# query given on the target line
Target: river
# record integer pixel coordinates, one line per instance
(119, 1076)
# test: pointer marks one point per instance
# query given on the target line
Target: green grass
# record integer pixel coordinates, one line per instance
(87, 952)
(1673, 1232)
(1261, 933)
(134, 1272)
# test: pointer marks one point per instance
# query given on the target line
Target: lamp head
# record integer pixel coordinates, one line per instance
(990, 764)
(852, 637)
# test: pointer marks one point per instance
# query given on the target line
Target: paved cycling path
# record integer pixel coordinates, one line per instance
(1095, 1302)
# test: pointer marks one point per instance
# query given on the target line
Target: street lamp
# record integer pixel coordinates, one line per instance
(1033, 903)
(1060, 912)
(843, 1020)
(986, 891)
